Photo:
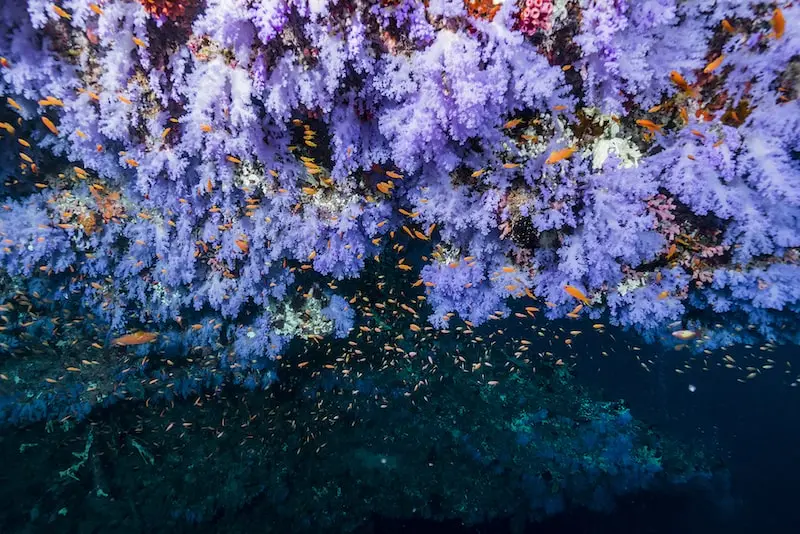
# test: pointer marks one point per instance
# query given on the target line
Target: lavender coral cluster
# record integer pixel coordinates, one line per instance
(231, 160)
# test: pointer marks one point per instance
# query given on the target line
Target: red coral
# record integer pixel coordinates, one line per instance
(535, 16)
(171, 9)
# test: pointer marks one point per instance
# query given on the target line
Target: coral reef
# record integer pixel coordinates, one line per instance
(202, 170)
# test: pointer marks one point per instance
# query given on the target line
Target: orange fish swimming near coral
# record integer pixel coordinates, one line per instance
(50, 126)
(559, 155)
(649, 125)
(577, 293)
(778, 24)
(136, 338)
(714, 65)
(682, 84)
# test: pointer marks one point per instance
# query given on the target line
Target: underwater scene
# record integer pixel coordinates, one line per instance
(399, 266)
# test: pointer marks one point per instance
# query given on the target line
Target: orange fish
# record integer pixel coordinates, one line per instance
(50, 126)
(51, 101)
(513, 123)
(778, 23)
(685, 334)
(577, 293)
(243, 245)
(392, 174)
(727, 26)
(136, 338)
(385, 187)
(672, 250)
(61, 13)
(138, 42)
(96, 9)
(13, 103)
(649, 125)
(559, 155)
(679, 80)
(714, 65)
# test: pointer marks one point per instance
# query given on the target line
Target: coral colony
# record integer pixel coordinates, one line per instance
(207, 174)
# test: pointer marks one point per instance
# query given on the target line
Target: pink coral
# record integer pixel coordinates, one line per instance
(535, 16)
(662, 208)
